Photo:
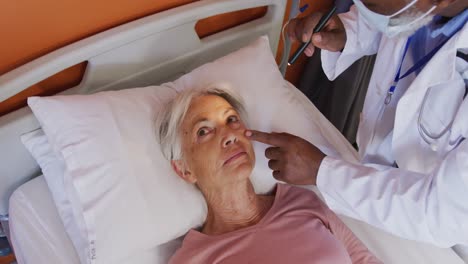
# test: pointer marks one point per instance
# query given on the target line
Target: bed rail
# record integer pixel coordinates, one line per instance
(180, 20)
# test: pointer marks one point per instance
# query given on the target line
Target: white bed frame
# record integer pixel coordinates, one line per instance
(148, 51)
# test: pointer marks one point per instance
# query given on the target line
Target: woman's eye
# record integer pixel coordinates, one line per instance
(232, 119)
(202, 131)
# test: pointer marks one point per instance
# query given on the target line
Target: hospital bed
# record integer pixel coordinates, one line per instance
(148, 51)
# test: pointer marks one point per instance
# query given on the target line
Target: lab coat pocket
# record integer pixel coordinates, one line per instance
(438, 110)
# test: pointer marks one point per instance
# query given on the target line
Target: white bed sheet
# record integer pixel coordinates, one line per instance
(39, 237)
(392, 249)
(37, 233)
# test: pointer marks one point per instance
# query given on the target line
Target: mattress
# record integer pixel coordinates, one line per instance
(37, 233)
(39, 237)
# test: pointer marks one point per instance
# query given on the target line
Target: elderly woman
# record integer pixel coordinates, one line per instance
(202, 134)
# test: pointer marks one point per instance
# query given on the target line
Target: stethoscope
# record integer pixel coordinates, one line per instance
(426, 135)
(431, 138)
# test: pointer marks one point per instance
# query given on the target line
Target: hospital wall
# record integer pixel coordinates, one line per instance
(31, 28)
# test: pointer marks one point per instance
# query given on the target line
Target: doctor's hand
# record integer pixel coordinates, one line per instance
(292, 159)
(332, 37)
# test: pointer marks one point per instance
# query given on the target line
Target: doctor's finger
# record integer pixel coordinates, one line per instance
(274, 165)
(332, 41)
(277, 175)
(309, 51)
(333, 23)
(309, 24)
(291, 29)
(267, 138)
(273, 153)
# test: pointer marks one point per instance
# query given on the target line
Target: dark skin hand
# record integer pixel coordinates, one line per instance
(332, 37)
(292, 159)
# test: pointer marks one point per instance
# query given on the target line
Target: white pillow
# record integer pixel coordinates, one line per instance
(128, 195)
(53, 168)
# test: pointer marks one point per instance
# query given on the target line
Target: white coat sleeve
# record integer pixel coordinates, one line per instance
(431, 207)
(361, 40)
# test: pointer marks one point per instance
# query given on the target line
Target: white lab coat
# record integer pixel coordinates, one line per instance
(426, 198)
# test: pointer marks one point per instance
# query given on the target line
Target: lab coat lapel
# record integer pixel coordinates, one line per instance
(388, 57)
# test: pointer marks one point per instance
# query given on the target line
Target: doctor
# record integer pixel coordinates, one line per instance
(413, 177)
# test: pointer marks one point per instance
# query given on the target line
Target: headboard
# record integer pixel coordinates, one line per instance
(148, 51)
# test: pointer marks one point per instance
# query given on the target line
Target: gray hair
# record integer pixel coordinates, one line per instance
(173, 113)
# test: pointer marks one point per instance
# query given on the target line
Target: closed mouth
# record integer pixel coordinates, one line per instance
(234, 157)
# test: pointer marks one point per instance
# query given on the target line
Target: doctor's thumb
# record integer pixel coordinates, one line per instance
(331, 41)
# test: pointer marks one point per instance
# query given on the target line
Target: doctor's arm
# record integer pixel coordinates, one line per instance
(426, 207)
(361, 40)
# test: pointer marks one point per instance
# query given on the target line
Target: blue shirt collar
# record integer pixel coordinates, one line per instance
(450, 27)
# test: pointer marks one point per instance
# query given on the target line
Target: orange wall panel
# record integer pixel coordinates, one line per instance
(7, 259)
(31, 28)
(215, 24)
(59, 82)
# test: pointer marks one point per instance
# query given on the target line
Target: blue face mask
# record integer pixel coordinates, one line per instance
(382, 22)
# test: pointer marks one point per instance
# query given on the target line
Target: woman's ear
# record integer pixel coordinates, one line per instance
(181, 169)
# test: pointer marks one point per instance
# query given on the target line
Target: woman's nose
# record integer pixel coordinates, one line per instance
(229, 139)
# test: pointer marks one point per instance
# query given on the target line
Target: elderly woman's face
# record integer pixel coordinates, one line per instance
(215, 150)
